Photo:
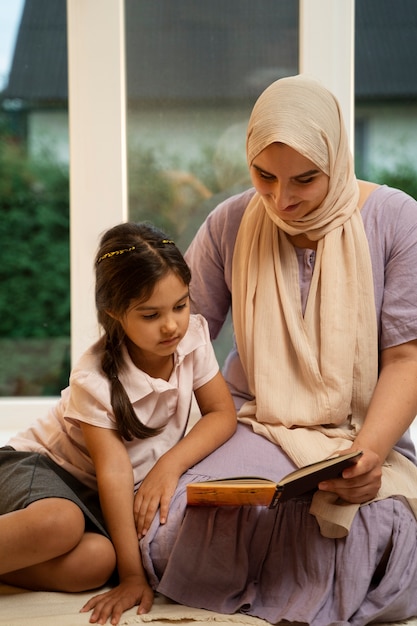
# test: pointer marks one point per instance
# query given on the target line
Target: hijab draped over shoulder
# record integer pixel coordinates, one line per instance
(316, 370)
(312, 373)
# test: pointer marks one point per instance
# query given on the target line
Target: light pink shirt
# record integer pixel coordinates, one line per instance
(156, 402)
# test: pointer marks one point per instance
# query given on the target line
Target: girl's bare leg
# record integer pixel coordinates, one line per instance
(87, 566)
(45, 547)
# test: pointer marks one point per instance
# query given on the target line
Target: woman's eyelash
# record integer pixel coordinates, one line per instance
(301, 181)
(266, 176)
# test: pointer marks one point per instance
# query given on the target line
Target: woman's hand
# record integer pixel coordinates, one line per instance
(392, 409)
(360, 481)
(111, 604)
(155, 492)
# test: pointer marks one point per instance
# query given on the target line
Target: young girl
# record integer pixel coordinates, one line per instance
(67, 484)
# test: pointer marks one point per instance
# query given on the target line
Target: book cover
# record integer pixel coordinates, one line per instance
(255, 491)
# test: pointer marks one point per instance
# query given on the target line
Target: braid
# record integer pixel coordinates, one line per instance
(128, 423)
(131, 259)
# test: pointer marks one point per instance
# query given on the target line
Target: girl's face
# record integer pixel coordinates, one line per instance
(154, 327)
(288, 182)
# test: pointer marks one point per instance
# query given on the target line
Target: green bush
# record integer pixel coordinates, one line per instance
(403, 177)
(34, 274)
(34, 244)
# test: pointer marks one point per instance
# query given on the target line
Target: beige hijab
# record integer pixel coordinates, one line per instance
(312, 375)
(304, 369)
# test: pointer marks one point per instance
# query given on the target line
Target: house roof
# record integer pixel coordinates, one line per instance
(208, 36)
(39, 65)
(385, 39)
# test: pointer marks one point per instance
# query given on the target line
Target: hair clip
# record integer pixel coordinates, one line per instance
(108, 255)
(168, 241)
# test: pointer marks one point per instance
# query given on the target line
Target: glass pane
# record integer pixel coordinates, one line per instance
(34, 204)
(194, 71)
(386, 92)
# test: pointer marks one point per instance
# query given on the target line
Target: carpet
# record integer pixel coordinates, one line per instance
(19, 607)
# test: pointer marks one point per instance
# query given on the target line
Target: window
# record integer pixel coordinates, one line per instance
(194, 71)
(99, 192)
(34, 200)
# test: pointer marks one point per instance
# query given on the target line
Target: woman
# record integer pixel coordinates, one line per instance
(318, 269)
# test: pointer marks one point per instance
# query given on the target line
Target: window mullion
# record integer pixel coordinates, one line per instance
(98, 160)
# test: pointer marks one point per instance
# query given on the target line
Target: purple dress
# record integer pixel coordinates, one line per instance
(275, 564)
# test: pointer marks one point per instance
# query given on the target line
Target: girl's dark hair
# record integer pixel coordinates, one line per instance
(131, 259)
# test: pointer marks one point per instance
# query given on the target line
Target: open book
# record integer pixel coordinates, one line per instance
(253, 491)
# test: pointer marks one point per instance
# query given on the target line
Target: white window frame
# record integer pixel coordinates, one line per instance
(327, 50)
(98, 161)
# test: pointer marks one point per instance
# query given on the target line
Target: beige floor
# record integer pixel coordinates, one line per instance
(25, 608)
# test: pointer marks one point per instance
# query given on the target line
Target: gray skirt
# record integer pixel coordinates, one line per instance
(26, 477)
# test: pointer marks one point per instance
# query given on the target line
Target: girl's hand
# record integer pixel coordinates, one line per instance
(155, 492)
(111, 604)
(360, 481)
(217, 424)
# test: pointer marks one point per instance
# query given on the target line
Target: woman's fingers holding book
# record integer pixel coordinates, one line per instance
(360, 482)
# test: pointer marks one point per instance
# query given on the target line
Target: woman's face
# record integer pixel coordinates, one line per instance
(288, 182)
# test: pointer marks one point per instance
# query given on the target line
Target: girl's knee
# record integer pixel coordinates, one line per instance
(98, 549)
(93, 563)
(60, 521)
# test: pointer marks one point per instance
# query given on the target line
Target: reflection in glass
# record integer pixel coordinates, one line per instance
(194, 71)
